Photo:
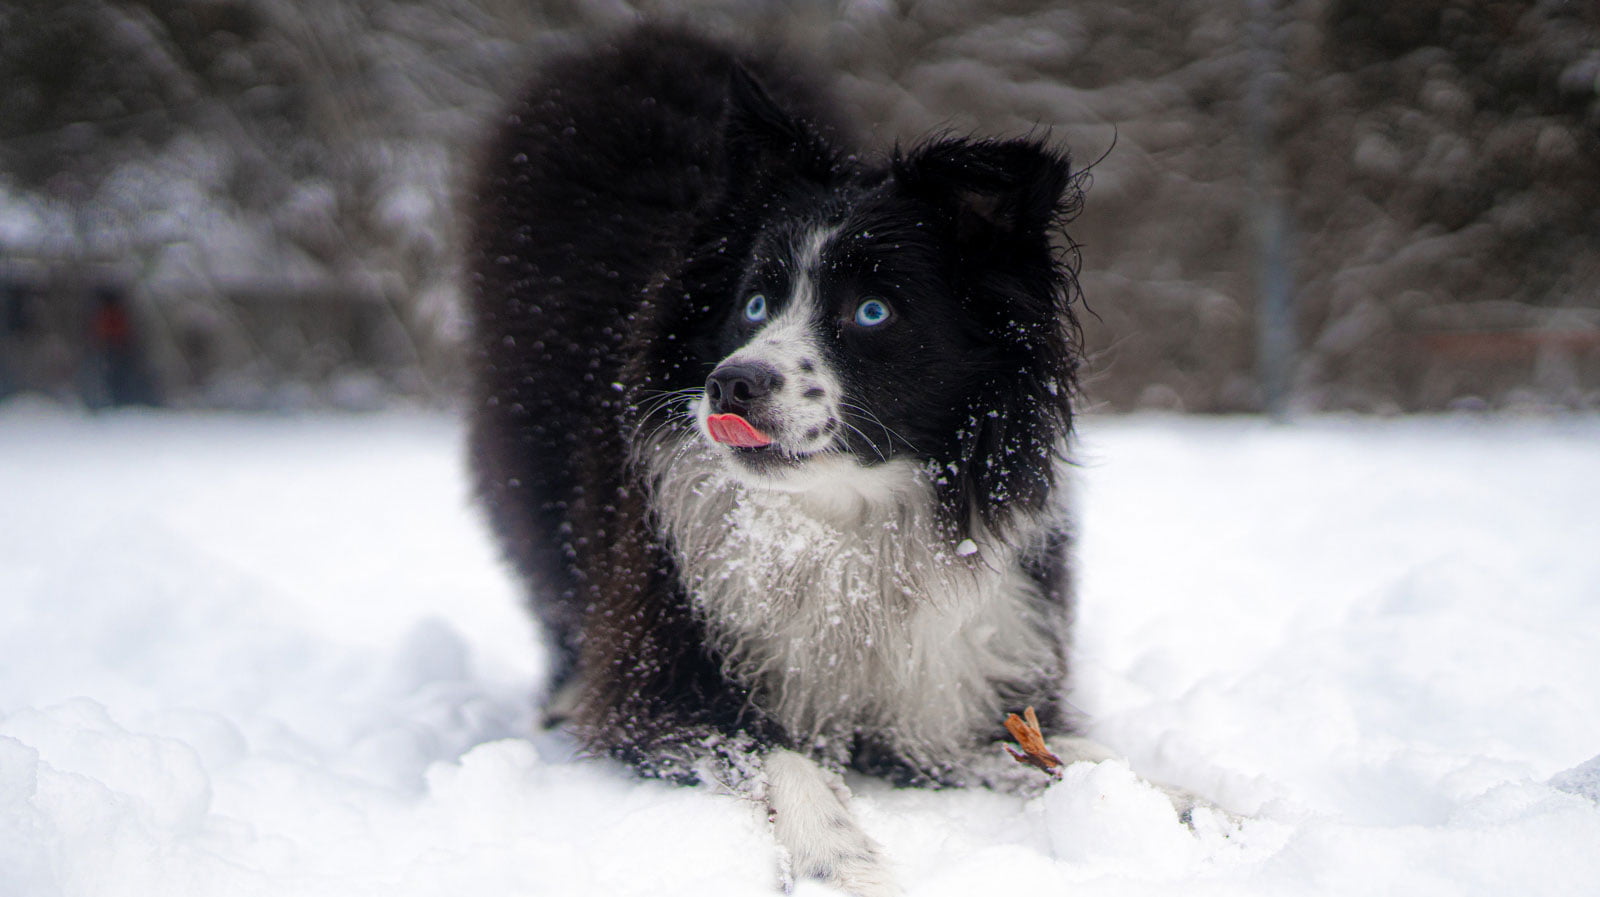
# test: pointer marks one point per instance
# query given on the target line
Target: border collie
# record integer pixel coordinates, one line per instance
(774, 429)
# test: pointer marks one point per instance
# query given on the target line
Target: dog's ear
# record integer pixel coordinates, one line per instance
(999, 203)
(993, 193)
(765, 142)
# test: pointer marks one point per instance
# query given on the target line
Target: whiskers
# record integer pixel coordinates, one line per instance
(847, 408)
(665, 417)
(676, 405)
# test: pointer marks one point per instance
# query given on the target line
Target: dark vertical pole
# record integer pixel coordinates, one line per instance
(1275, 326)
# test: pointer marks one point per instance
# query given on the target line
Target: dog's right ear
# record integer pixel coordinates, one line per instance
(766, 143)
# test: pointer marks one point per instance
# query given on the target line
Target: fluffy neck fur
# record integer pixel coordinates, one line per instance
(847, 610)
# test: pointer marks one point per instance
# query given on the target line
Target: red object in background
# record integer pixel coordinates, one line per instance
(111, 327)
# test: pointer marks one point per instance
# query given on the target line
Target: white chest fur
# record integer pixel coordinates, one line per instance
(845, 609)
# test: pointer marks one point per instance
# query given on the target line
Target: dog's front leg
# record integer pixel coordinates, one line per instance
(815, 830)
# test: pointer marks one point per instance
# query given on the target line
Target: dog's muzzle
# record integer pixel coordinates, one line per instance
(740, 387)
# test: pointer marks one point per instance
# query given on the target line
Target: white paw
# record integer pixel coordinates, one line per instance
(816, 833)
(1199, 813)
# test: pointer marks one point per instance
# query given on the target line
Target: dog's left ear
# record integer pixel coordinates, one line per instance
(1000, 202)
(993, 192)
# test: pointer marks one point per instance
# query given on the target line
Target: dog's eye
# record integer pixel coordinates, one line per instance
(755, 310)
(872, 312)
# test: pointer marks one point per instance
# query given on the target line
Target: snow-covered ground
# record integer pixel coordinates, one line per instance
(250, 655)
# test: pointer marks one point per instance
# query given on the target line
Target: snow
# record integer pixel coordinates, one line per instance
(265, 655)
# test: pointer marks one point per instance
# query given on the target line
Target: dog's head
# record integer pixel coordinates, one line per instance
(917, 311)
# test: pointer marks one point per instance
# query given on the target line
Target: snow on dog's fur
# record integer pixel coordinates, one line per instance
(774, 428)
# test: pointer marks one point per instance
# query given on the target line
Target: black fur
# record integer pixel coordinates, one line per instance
(628, 203)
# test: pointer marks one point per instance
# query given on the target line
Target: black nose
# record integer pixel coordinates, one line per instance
(733, 388)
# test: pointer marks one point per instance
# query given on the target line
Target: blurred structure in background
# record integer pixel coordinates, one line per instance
(268, 186)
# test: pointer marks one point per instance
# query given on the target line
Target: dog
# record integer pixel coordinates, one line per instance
(776, 429)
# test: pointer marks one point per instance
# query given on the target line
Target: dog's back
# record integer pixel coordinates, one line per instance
(589, 190)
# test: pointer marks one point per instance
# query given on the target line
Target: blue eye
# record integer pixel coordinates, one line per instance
(756, 309)
(872, 312)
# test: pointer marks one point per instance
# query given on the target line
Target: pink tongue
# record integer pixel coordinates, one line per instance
(731, 429)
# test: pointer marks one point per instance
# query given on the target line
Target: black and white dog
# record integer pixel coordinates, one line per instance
(775, 429)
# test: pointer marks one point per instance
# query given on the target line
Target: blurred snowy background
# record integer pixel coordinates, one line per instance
(1317, 204)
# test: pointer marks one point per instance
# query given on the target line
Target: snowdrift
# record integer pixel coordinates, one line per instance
(276, 656)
